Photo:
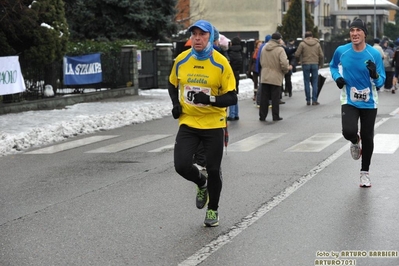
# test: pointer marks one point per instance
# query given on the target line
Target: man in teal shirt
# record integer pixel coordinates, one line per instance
(358, 70)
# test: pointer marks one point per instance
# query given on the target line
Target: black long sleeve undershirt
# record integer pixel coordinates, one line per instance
(225, 100)
(173, 94)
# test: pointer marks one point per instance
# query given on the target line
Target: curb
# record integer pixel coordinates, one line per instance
(61, 102)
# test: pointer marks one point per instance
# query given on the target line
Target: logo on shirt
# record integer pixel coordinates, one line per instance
(200, 67)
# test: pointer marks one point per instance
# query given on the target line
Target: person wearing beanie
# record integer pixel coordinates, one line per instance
(358, 70)
(235, 56)
(387, 47)
(274, 64)
(276, 36)
(311, 56)
(358, 23)
(201, 87)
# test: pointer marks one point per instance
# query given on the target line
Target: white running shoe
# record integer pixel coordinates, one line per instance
(356, 150)
(364, 179)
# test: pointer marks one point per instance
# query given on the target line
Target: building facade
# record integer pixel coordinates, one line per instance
(248, 19)
(256, 18)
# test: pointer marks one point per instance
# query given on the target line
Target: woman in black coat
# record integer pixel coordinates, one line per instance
(235, 56)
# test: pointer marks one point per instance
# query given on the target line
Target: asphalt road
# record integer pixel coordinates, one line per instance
(284, 201)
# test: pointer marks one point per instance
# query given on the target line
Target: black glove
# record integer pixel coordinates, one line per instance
(176, 111)
(340, 82)
(201, 97)
(372, 69)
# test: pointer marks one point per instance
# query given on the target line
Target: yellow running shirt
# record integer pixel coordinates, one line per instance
(212, 76)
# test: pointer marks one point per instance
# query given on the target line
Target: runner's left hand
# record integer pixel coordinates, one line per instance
(201, 97)
(372, 69)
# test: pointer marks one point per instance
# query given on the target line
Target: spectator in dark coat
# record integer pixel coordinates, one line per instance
(290, 50)
(395, 64)
(235, 56)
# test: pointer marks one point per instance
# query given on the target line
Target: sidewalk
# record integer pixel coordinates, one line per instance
(62, 101)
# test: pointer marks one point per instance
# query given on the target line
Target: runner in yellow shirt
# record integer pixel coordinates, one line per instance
(202, 86)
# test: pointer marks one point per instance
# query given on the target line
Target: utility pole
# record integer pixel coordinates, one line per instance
(375, 22)
(303, 19)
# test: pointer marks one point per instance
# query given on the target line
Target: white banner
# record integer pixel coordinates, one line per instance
(139, 59)
(11, 80)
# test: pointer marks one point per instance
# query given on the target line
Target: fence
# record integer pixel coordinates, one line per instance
(120, 70)
(36, 76)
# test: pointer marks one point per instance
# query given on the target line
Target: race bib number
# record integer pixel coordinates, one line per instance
(360, 95)
(189, 92)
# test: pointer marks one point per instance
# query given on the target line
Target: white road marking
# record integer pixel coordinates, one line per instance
(315, 143)
(395, 112)
(124, 145)
(164, 148)
(71, 144)
(253, 142)
(386, 143)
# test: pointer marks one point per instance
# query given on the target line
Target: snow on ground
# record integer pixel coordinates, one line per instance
(21, 131)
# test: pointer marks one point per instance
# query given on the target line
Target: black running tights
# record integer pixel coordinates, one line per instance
(350, 119)
(187, 141)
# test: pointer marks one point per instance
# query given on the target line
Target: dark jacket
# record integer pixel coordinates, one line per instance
(290, 50)
(395, 58)
(235, 54)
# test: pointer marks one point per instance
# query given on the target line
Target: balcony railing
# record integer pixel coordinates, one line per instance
(326, 21)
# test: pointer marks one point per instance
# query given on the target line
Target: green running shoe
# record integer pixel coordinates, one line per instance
(211, 218)
(202, 197)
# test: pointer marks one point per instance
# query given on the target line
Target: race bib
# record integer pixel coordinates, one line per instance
(360, 95)
(189, 92)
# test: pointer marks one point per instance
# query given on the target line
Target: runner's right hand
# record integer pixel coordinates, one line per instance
(340, 82)
(176, 111)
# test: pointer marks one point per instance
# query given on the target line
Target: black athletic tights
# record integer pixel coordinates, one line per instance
(187, 141)
(350, 118)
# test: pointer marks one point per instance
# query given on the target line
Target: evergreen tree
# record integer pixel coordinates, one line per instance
(38, 32)
(37, 29)
(391, 31)
(13, 37)
(120, 19)
(50, 32)
(292, 21)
